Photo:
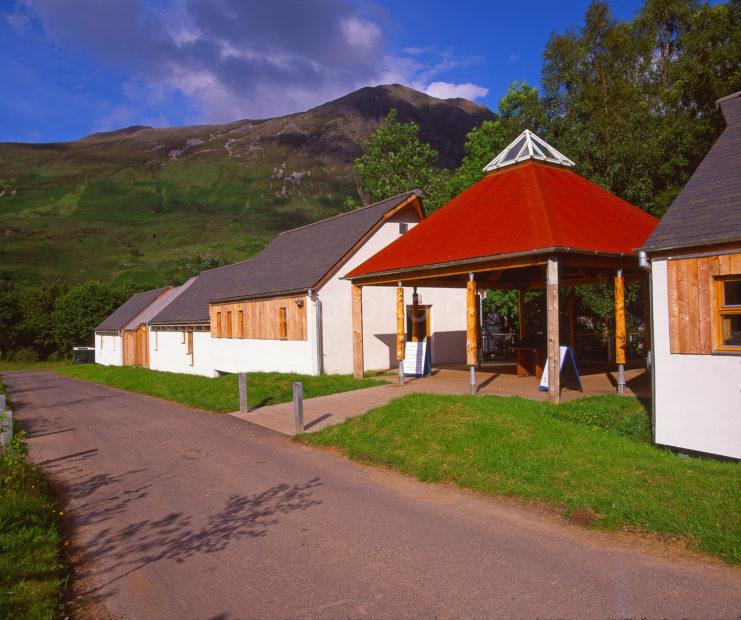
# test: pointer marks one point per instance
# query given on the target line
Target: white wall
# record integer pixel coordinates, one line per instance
(108, 349)
(448, 313)
(697, 397)
(168, 351)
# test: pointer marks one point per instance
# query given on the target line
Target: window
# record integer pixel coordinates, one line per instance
(728, 300)
(240, 324)
(156, 341)
(218, 324)
(228, 323)
(101, 341)
(190, 346)
(283, 317)
(403, 227)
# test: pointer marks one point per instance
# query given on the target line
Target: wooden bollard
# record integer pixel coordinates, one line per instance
(243, 402)
(298, 407)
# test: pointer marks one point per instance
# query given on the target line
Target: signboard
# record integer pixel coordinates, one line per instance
(417, 360)
(568, 370)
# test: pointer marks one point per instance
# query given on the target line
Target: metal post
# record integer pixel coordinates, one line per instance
(401, 372)
(243, 404)
(298, 407)
(472, 379)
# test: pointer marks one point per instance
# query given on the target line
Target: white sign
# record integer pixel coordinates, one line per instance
(415, 357)
(566, 363)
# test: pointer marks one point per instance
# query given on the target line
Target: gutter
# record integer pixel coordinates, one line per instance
(682, 246)
(270, 295)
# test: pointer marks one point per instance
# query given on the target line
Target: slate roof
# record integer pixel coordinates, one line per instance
(129, 309)
(295, 261)
(708, 209)
(531, 207)
(157, 306)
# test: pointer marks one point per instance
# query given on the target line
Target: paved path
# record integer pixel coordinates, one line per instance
(184, 514)
(324, 411)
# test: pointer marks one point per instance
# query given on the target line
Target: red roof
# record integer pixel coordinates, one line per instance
(524, 208)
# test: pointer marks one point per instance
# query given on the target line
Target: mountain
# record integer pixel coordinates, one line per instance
(156, 205)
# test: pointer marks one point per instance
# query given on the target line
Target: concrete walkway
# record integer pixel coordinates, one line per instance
(325, 411)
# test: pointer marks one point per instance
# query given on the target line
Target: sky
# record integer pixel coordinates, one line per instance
(74, 67)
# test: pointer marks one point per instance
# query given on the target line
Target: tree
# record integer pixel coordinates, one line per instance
(79, 311)
(394, 160)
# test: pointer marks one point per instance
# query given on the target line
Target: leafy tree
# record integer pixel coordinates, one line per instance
(79, 311)
(35, 328)
(394, 160)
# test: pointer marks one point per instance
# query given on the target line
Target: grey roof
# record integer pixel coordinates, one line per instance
(129, 309)
(157, 306)
(296, 260)
(708, 209)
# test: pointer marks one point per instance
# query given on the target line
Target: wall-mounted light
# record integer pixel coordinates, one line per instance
(299, 302)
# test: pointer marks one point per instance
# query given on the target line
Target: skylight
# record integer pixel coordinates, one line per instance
(527, 146)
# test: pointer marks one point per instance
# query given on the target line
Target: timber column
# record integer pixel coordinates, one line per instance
(400, 338)
(620, 336)
(554, 342)
(357, 332)
(471, 336)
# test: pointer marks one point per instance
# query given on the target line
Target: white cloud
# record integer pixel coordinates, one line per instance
(360, 33)
(447, 90)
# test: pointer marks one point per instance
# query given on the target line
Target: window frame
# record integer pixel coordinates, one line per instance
(218, 324)
(229, 327)
(721, 310)
(240, 323)
(283, 323)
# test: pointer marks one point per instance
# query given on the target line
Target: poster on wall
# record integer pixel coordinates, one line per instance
(417, 360)
(569, 372)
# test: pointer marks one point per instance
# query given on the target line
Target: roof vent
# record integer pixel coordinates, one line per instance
(528, 146)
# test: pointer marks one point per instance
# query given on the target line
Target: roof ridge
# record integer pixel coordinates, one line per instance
(239, 262)
(334, 217)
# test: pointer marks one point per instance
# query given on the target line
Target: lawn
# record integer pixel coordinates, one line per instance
(31, 569)
(592, 454)
(219, 394)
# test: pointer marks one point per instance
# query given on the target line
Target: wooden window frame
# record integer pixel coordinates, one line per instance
(283, 322)
(218, 324)
(229, 327)
(721, 310)
(189, 346)
(240, 323)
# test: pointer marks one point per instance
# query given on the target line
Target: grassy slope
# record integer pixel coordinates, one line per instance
(79, 214)
(221, 394)
(591, 454)
(31, 570)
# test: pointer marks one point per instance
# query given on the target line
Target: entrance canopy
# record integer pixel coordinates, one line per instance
(533, 223)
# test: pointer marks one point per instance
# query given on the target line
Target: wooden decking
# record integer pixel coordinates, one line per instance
(496, 380)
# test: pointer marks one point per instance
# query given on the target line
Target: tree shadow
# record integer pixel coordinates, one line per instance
(43, 426)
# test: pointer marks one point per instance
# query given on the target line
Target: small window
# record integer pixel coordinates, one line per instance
(228, 323)
(218, 324)
(728, 298)
(240, 324)
(403, 227)
(156, 341)
(283, 317)
(101, 341)
(190, 346)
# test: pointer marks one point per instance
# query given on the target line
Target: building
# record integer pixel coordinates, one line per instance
(121, 327)
(530, 223)
(289, 308)
(695, 255)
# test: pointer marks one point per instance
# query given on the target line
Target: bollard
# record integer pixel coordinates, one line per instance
(472, 379)
(298, 407)
(243, 404)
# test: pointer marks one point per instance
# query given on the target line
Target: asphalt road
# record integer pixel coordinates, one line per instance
(184, 514)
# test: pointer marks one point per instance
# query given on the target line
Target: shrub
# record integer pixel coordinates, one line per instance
(26, 355)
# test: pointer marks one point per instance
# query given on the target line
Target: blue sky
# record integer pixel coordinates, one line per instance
(74, 67)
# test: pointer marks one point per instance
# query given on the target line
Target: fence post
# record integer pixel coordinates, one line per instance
(243, 404)
(298, 406)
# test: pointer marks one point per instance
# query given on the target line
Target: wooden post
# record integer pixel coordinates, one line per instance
(357, 332)
(471, 339)
(298, 407)
(554, 342)
(400, 328)
(521, 313)
(243, 404)
(572, 319)
(620, 337)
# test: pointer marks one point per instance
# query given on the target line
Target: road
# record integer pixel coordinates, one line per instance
(186, 514)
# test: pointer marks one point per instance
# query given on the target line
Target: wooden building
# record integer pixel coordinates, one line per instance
(695, 261)
(530, 223)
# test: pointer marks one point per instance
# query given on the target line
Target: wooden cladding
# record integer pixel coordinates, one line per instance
(282, 318)
(694, 319)
(136, 347)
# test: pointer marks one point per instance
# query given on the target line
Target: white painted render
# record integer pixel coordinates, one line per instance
(448, 313)
(697, 397)
(168, 351)
(108, 349)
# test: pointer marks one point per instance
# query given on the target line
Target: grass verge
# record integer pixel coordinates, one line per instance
(219, 394)
(31, 568)
(592, 454)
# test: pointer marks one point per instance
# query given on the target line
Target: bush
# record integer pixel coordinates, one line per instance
(26, 355)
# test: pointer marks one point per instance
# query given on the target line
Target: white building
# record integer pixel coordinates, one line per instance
(695, 254)
(289, 309)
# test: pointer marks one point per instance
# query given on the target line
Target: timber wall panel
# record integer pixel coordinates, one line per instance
(691, 291)
(261, 319)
